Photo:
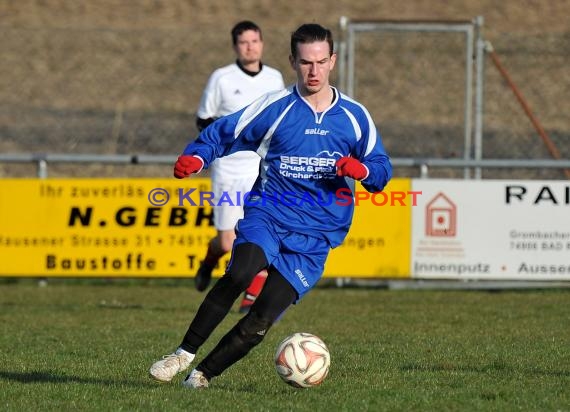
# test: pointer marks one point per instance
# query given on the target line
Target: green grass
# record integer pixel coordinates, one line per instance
(87, 346)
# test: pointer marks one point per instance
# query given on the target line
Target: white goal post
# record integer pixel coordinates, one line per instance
(363, 40)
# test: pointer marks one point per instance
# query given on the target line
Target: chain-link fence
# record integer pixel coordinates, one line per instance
(136, 91)
(414, 82)
(538, 66)
(97, 91)
(105, 92)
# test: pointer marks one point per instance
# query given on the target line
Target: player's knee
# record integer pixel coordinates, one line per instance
(253, 328)
(226, 247)
(226, 240)
(226, 243)
(247, 260)
(239, 276)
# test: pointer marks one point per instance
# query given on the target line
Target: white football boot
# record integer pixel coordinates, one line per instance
(195, 380)
(166, 368)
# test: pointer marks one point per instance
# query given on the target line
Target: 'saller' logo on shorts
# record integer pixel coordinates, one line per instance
(302, 277)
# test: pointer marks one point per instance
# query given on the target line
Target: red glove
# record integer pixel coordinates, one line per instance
(186, 165)
(351, 167)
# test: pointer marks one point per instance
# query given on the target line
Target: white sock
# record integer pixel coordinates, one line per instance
(181, 351)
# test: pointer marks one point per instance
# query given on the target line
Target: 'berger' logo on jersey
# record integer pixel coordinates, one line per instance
(320, 166)
(309, 161)
(316, 130)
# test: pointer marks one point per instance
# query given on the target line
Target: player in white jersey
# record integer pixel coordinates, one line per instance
(313, 141)
(229, 89)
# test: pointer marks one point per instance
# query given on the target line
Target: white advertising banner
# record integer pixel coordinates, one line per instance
(491, 229)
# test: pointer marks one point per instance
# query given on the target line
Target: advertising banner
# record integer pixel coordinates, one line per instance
(161, 228)
(378, 243)
(491, 229)
(99, 227)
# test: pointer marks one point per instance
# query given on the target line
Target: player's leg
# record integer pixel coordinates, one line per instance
(247, 260)
(217, 248)
(276, 296)
(252, 291)
(226, 215)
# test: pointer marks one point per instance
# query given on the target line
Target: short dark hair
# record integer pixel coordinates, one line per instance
(242, 26)
(310, 33)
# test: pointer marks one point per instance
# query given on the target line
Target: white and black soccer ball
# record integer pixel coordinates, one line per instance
(302, 360)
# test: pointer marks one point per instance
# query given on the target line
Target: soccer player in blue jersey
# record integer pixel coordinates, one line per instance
(313, 141)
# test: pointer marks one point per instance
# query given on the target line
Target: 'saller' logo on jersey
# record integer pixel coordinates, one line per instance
(318, 131)
(237, 91)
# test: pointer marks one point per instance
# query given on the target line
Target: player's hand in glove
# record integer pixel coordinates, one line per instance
(186, 165)
(351, 167)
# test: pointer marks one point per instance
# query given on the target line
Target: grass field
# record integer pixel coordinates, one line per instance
(87, 346)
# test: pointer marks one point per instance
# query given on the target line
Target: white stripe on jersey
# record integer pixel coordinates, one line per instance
(373, 136)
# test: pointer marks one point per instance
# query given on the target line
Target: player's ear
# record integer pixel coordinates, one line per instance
(292, 61)
(333, 60)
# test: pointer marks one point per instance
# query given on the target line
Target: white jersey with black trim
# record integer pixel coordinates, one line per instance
(230, 89)
(298, 188)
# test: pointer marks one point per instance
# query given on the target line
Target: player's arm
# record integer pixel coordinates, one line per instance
(198, 154)
(210, 102)
(217, 140)
(379, 167)
(239, 131)
(368, 161)
(186, 165)
(201, 124)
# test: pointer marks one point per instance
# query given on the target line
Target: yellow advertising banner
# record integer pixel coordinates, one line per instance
(161, 228)
(378, 243)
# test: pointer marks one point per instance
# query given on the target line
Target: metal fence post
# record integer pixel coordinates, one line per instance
(42, 168)
(479, 93)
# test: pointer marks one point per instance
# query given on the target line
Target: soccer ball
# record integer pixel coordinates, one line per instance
(302, 360)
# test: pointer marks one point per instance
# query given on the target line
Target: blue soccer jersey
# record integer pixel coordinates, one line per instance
(297, 188)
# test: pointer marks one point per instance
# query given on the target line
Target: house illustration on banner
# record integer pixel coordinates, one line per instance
(441, 217)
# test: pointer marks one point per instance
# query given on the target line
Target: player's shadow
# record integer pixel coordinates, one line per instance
(55, 377)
